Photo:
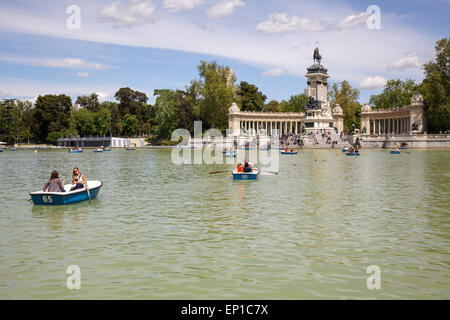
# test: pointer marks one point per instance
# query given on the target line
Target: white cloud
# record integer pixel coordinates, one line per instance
(283, 23)
(83, 74)
(372, 83)
(103, 96)
(273, 72)
(133, 13)
(223, 8)
(353, 20)
(3, 94)
(411, 61)
(181, 5)
(72, 63)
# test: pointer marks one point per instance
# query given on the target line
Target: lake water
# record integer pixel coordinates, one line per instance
(163, 231)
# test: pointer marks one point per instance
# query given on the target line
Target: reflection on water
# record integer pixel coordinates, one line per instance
(163, 231)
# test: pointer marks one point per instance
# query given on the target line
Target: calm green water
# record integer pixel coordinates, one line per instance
(160, 231)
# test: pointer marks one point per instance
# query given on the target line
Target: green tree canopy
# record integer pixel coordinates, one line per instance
(295, 103)
(216, 88)
(396, 93)
(52, 114)
(435, 88)
(133, 102)
(84, 121)
(273, 106)
(249, 98)
(90, 103)
(166, 113)
(129, 125)
(343, 94)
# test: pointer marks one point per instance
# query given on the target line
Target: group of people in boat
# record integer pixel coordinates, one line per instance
(245, 166)
(55, 184)
(353, 149)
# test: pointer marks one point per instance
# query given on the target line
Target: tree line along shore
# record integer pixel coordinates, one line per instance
(207, 99)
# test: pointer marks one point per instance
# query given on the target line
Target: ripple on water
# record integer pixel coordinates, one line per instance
(163, 231)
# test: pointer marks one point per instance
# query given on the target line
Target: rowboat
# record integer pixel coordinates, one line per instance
(98, 150)
(68, 197)
(352, 153)
(1, 150)
(402, 148)
(75, 150)
(230, 155)
(345, 149)
(288, 152)
(130, 148)
(106, 149)
(253, 175)
(395, 151)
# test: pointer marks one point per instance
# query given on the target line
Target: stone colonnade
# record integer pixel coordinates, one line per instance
(395, 125)
(269, 125)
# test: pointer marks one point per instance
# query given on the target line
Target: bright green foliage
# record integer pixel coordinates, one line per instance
(84, 121)
(166, 113)
(129, 125)
(216, 89)
(435, 88)
(53, 136)
(296, 103)
(249, 98)
(396, 93)
(343, 94)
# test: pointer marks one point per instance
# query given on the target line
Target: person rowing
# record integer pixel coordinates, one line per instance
(78, 179)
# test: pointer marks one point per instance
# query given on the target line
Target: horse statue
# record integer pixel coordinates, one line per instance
(317, 57)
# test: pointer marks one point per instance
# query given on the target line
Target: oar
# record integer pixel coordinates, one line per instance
(214, 172)
(89, 195)
(274, 172)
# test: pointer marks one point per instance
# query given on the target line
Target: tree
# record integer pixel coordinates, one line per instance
(216, 89)
(396, 93)
(113, 109)
(166, 113)
(84, 122)
(185, 112)
(52, 114)
(102, 122)
(90, 103)
(296, 103)
(132, 102)
(346, 96)
(435, 88)
(129, 125)
(249, 98)
(273, 106)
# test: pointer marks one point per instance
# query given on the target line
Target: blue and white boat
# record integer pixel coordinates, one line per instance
(230, 154)
(253, 175)
(345, 149)
(352, 154)
(98, 150)
(1, 150)
(130, 148)
(395, 151)
(68, 197)
(288, 152)
(77, 150)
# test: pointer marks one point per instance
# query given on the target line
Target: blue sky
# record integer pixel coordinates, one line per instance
(154, 44)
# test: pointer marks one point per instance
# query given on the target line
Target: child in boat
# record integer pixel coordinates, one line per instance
(78, 179)
(54, 184)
